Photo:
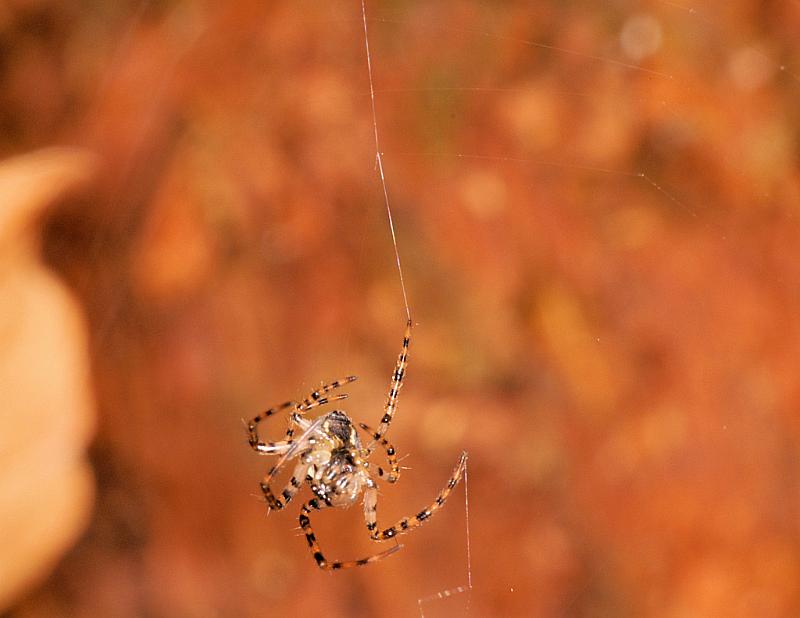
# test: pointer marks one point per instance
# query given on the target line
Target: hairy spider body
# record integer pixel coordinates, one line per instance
(336, 473)
(333, 462)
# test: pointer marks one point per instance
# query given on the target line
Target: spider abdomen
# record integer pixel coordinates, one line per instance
(339, 481)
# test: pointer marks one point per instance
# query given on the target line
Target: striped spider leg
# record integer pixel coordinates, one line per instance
(311, 539)
(391, 454)
(407, 523)
(299, 409)
(370, 515)
(394, 387)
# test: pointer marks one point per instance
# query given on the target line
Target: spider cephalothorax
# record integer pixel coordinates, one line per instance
(332, 461)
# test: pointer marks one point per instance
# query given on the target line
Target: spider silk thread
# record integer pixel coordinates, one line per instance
(379, 160)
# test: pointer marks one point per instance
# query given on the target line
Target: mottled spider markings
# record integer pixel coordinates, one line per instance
(332, 461)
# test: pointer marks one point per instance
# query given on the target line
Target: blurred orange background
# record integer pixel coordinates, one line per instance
(603, 262)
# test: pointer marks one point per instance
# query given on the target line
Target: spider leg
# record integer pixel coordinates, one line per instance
(295, 449)
(391, 455)
(407, 523)
(296, 418)
(313, 545)
(396, 384)
(312, 401)
(314, 398)
(289, 491)
(308, 405)
(271, 447)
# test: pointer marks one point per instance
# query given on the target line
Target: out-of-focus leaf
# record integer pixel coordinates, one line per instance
(47, 410)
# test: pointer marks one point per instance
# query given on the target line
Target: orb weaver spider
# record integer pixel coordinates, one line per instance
(332, 461)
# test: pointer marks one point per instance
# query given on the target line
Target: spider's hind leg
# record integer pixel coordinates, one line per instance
(313, 545)
(407, 523)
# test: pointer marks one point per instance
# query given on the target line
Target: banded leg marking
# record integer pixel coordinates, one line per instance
(407, 523)
(298, 476)
(317, 399)
(313, 545)
(312, 401)
(396, 384)
(391, 455)
(271, 448)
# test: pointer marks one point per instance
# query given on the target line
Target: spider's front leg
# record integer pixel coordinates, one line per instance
(315, 399)
(313, 545)
(271, 448)
(407, 523)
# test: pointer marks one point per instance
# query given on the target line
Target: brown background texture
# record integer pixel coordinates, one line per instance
(603, 263)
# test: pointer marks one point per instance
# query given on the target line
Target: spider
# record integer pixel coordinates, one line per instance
(331, 459)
